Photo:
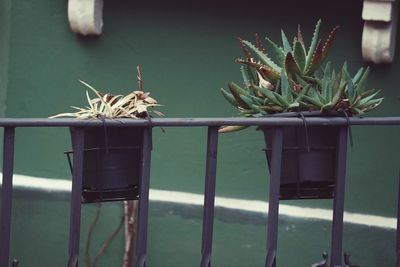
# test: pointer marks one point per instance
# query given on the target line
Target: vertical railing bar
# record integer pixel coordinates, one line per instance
(144, 186)
(338, 202)
(273, 206)
(6, 195)
(76, 193)
(398, 227)
(209, 196)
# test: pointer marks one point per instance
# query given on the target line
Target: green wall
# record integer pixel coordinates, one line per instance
(5, 25)
(187, 51)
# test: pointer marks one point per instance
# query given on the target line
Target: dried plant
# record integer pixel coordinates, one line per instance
(134, 105)
(137, 104)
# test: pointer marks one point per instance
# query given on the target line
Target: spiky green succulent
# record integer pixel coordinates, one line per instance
(326, 91)
(296, 81)
(295, 59)
(341, 92)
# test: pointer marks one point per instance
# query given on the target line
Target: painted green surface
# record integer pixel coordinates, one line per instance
(186, 50)
(175, 235)
(5, 10)
(187, 54)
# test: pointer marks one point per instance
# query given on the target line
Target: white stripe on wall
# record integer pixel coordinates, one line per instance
(58, 185)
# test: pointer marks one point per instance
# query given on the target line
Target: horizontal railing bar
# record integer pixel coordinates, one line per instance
(182, 122)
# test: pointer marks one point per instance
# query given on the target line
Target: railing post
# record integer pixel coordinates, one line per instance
(76, 195)
(209, 196)
(338, 204)
(6, 195)
(144, 186)
(398, 228)
(273, 206)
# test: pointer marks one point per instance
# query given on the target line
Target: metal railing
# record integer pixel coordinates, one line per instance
(213, 124)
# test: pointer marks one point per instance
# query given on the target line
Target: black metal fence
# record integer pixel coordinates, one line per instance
(213, 124)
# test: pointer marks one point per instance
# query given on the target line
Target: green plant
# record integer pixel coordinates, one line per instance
(341, 92)
(297, 82)
(294, 59)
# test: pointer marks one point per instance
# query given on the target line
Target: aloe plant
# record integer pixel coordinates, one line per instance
(296, 81)
(295, 59)
(341, 92)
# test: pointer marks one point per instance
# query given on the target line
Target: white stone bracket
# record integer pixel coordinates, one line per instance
(379, 33)
(86, 16)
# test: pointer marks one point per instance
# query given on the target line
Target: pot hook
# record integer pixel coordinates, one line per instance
(349, 128)
(301, 115)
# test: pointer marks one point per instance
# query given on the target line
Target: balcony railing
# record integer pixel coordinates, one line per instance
(213, 124)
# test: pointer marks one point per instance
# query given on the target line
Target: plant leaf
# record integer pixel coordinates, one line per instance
(336, 84)
(91, 88)
(246, 52)
(285, 88)
(274, 97)
(371, 104)
(259, 44)
(237, 92)
(291, 66)
(313, 101)
(229, 97)
(315, 60)
(262, 57)
(303, 92)
(361, 85)
(345, 71)
(286, 45)
(299, 55)
(300, 37)
(329, 41)
(246, 78)
(262, 82)
(327, 79)
(315, 94)
(358, 75)
(365, 100)
(278, 52)
(267, 72)
(351, 93)
(313, 44)
(229, 129)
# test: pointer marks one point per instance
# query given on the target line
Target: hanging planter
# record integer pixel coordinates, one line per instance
(297, 83)
(309, 159)
(112, 156)
(111, 163)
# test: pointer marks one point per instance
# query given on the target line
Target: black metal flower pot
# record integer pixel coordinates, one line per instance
(111, 163)
(309, 160)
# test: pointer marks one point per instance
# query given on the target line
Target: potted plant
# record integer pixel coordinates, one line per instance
(293, 83)
(112, 155)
